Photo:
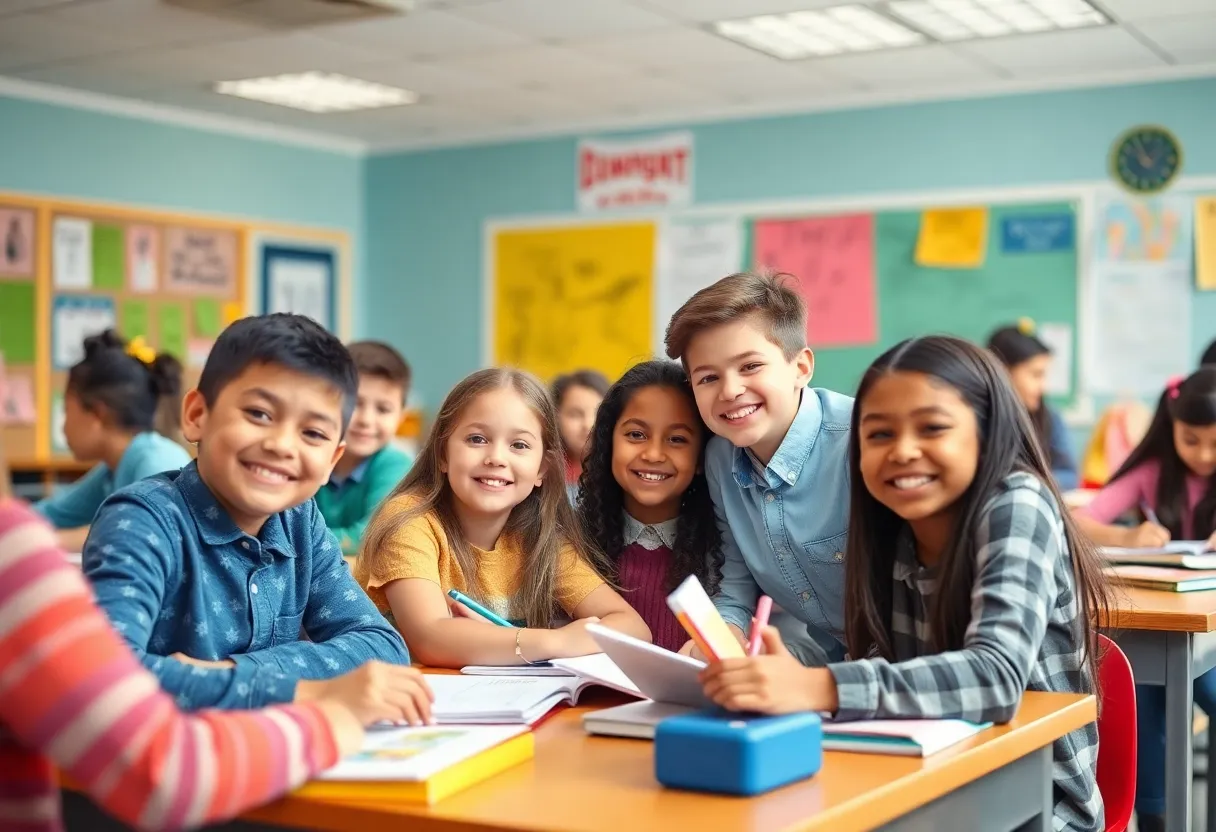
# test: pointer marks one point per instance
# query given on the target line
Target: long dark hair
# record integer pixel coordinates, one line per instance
(1006, 444)
(601, 504)
(135, 387)
(1014, 345)
(544, 521)
(1192, 402)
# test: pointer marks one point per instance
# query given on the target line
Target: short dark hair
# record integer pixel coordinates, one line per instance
(378, 359)
(139, 395)
(1016, 344)
(295, 342)
(770, 297)
(591, 379)
(1209, 355)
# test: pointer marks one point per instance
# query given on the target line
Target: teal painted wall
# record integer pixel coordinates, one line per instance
(424, 210)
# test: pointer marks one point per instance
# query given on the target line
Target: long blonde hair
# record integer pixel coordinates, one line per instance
(544, 522)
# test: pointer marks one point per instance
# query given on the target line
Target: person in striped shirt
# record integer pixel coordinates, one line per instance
(74, 698)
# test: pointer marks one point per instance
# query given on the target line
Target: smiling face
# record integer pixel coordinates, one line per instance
(746, 390)
(1196, 446)
(1029, 379)
(919, 445)
(494, 456)
(376, 417)
(268, 443)
(656, 445)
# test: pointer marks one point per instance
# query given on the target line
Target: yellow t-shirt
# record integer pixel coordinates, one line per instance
(420, 549)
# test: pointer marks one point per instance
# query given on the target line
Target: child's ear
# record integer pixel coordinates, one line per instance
(194, 416)
(804, 362)
(338, 454)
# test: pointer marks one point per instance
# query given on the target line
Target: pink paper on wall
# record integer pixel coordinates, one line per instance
(833, 259)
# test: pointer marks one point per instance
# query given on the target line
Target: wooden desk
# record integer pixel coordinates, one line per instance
(49, 469)
(1170, 639)
(998, 780)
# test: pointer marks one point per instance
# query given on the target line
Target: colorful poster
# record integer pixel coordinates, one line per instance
(16, 242)
(72, 253)
(649, 172)
(299, 281)
(143, 258)
(952, 238)
(108, 257)
(201, 262)
(16, 398)
(233, 311)
(1205, 243)
(18, 321)
(133, 319)
(1038, 233)
(1058, 338)
(74, 318)
(208, 318)
(1145, 230)
(173, 330)
(833, 259)
(693, 253)
(575, 296)
(59, 440)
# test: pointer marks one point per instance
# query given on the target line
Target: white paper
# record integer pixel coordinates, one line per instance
(73, 253)
(692, 255)
(1058, 338)
(59, 440)
(76, 318)
(300, 286)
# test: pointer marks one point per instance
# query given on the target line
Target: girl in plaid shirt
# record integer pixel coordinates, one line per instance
(966, 584)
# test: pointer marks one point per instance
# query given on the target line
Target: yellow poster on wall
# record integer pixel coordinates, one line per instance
(1205, 242)
(572, 298)
(953, 238)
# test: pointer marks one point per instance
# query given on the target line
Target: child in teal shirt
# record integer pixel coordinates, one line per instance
(117, 397)
(371, 466)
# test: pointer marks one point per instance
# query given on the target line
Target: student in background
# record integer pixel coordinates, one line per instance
(1027, 358)
(74, 698)
(1169, 480)
(484, 511)
(966, 582)
(1209, 355)
(777, 468)
(577, 396)
(643, 497)
(116, 398)
(211, 572)
(371, 466)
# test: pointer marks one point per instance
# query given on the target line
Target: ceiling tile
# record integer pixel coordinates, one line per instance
(433, 80)
(294, 52)
(33, 39)
(544, 67)
(657, 96)
(907, 67)
(13, 6)
(563, 19)
(150, 22)
(1082, 51)
(108, 80)
(1189, 39)
(424, 34)
(1152, 9)
(673, 47)
(775, 80)
(707, 10)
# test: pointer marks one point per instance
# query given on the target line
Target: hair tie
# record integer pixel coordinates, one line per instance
(1026, 326)
(1174, 386)
(138, 349)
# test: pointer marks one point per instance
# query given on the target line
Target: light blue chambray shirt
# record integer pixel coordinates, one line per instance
(784, 534)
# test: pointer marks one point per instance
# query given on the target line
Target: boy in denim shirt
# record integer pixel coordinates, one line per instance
(777, 468)
(211, 572)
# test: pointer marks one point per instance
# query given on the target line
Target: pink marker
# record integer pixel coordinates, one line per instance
(764, 608)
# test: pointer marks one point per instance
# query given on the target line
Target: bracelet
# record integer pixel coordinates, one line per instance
(518, 652)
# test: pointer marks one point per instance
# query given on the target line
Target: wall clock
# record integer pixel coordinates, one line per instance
(1146, 159)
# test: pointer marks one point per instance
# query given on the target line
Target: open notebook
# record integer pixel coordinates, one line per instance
(423, 765)
(501, 700)
(902, 737)
(1183, 554)
(1167, 578)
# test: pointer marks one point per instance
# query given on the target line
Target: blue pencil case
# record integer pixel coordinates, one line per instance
(728, 753)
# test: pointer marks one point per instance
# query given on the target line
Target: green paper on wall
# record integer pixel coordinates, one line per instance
(173, 330)
(207, 318)
(133, 319)
(109, 257)
(17, 335)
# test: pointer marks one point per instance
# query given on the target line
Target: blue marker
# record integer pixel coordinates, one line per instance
(457, 595)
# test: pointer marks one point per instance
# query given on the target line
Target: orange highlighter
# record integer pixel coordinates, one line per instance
(764, 608)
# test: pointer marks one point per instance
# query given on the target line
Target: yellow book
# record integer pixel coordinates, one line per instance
(423, 765)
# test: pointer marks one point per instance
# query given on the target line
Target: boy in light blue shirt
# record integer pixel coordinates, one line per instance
(777, 467)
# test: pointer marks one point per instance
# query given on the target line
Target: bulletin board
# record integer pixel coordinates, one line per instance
(176, 280)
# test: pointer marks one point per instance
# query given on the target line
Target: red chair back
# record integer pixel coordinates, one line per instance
(1116, 735)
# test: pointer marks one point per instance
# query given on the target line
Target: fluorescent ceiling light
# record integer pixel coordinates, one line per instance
(318, 92)
(955, 20)
(817, 33)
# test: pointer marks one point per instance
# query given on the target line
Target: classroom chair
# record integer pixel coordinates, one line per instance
(1116, 735)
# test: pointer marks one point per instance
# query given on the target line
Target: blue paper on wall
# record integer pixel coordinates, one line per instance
(1038, 233)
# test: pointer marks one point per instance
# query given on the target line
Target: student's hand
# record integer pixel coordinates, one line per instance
(1212, 541)
(222, 664)
(691, 649)
(375, 692)
(772, 683)
(459, 610)
(573, 640)
(348, 731)
(1147, 535)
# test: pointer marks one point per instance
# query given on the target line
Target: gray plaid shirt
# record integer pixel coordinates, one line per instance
(1022, 636)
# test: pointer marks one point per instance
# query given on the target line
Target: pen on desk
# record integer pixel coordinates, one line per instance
(764, 608)
(457, 595)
